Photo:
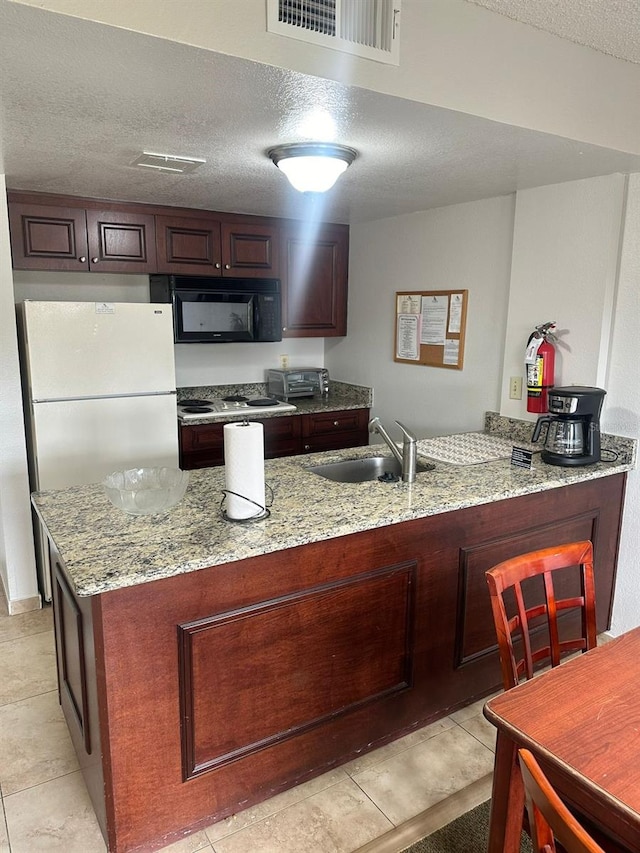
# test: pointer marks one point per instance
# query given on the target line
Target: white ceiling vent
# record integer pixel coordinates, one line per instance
(168, 162)
(367, 28)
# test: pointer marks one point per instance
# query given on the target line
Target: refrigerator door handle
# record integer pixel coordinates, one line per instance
(105, 397)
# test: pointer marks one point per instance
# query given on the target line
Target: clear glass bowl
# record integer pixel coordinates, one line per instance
(146, 491)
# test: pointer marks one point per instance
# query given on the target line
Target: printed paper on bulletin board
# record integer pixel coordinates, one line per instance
(430, 327)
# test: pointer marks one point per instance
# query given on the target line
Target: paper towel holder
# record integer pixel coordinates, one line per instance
(245, 495)
(265, 512)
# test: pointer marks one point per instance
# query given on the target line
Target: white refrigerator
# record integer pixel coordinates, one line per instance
(100, 393)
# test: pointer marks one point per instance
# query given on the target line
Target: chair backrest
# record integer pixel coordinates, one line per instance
(518, 627)
(549, 818)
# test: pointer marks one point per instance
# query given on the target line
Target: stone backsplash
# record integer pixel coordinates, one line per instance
(614, 448)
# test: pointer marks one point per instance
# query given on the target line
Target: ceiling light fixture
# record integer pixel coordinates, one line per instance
(313, 167)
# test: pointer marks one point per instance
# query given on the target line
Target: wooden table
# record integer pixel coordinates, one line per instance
(582, 721)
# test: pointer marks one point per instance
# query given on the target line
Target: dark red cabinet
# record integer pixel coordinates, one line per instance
(212, 246)
(72, 238)
(315, 268)
(202, 445)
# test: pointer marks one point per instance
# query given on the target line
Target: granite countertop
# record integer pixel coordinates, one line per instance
(104, 549)
(342, 395)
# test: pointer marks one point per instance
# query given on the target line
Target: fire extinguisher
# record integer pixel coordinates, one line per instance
(540, 364)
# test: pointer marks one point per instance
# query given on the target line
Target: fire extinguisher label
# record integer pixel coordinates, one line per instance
(534, 375)
(531, 354)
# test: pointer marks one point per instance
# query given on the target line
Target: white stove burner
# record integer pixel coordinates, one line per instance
(218, 408)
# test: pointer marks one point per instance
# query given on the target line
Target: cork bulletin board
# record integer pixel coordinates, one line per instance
(430, 327)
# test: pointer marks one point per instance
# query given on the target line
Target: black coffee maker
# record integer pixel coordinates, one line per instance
(573, 426)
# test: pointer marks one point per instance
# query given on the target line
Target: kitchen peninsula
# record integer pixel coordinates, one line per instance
(206, 665)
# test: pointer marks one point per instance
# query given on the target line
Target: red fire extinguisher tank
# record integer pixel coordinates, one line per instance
(540, 366)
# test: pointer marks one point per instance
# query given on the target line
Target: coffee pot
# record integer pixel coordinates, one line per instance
(573, 426)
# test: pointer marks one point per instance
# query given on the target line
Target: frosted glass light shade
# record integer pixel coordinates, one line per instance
(312, 167)
(312, 174)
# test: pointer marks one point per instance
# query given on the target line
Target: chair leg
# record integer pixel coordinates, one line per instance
(507, 799)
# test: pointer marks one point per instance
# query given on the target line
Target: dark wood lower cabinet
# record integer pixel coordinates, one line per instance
(202, 445)
(335, 430)
(202, 694)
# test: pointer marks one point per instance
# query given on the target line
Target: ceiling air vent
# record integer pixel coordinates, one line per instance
(367, 28)
(168, 162)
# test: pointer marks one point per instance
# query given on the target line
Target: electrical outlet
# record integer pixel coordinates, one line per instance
(515, 388)
(284, 361)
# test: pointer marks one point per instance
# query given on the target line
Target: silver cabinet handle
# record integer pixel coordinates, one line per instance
(336, 423)
(94, 260)
(82, 259)
(227, 266)
(218, 266)
(307, 447)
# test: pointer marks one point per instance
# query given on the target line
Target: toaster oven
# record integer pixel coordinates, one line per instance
(298, 382)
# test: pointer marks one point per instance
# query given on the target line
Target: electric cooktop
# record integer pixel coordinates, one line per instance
(194, 410)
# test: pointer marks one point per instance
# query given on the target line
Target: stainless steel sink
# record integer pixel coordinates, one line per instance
(361, 470)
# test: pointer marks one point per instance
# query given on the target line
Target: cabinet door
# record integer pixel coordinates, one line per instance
(335, 430)
(315, 281)
(47, 237)
(282, 436)
(188, 246)
(121, 242)
(250, 250)
(201, 446)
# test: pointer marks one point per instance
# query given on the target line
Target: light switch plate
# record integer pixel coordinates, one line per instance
(515, 388)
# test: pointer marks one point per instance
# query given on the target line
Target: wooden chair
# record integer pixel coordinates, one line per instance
(549, 819)
(510, 575)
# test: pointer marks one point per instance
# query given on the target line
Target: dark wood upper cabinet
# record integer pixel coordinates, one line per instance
(54, 232)
(44, 237)
(213, 246)
(121, 242)
(188, 246)
(250, 249)
(71, 238)
(315, 269)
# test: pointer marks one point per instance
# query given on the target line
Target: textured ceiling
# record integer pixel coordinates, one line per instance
(610, 26)
(79, 102)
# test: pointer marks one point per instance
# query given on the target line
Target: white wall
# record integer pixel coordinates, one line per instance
(576, 260)
(453, 54)
(462, 246)
(17, 560)
(565, 257)
(79, 286)
(226, 364)
(622, 412)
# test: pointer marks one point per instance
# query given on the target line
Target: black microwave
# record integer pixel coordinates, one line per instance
(220, 310)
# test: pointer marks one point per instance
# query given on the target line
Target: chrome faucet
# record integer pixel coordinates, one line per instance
(408, 457)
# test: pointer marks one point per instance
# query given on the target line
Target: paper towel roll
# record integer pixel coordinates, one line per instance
(244, 469)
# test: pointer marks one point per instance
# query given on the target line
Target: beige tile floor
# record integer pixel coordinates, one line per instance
(379, 803)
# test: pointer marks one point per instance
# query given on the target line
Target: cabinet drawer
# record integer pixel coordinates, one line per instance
(335, 430)
(329, 423)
